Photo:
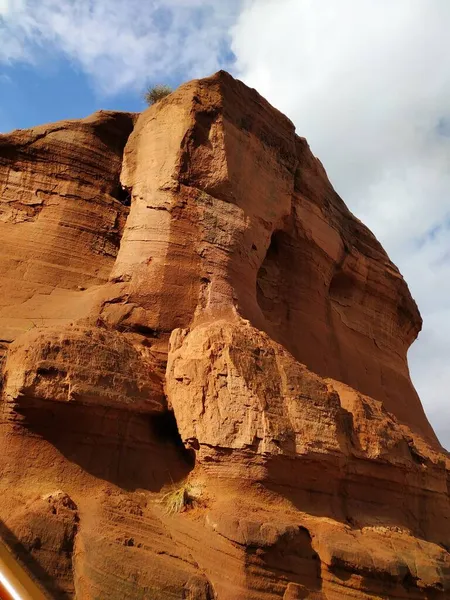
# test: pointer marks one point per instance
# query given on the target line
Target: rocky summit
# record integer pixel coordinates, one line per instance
(204, 385)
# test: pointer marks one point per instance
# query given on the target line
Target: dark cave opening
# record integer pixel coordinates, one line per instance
(165, 430)
(122, 194)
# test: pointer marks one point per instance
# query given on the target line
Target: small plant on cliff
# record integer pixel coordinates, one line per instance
(181, 498)
(156, 92)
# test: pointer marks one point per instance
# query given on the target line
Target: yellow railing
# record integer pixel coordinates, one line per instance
(15, 583)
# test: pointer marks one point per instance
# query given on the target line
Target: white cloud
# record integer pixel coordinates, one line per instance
(368, 83)
(4, 7)
(119, 44)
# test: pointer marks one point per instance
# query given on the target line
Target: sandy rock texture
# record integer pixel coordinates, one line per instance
(204, 385)
(60, 222)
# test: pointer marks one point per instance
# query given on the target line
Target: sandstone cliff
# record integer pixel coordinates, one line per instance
(189, 310)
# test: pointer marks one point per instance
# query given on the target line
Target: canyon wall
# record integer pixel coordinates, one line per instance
(191, 317)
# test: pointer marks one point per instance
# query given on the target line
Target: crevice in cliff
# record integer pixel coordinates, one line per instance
(122, 193)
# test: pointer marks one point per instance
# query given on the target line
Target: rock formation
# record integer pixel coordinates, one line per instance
(205, 391)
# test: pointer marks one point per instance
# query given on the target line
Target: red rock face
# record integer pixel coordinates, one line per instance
(60, 223)
(210, 385)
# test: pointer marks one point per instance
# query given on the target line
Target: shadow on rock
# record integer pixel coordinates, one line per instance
(129, 450)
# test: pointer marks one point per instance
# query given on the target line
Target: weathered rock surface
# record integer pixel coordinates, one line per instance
(235, 335)
(47, 527)
(82, 365)
(60, 222)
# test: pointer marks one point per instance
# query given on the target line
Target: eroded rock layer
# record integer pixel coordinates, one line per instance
(205, 391)
(59, 220)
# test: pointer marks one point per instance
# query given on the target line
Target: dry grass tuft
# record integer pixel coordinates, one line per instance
(156, 93)
(181, 498)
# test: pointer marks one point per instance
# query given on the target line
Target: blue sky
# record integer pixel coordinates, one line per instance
(31, 96)
(56, 91)
(366, 82)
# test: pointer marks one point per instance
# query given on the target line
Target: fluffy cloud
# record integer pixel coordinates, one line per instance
(120, 44)
(367, 82)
